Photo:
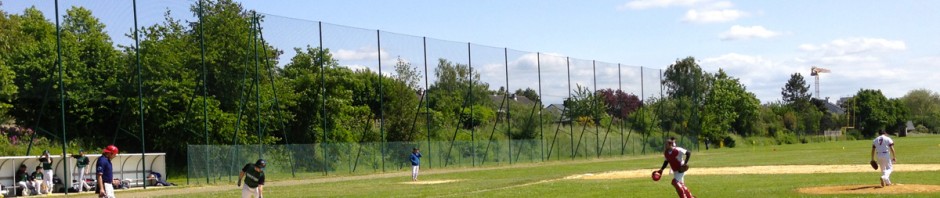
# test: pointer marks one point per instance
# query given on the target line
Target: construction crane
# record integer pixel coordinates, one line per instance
(815, 72)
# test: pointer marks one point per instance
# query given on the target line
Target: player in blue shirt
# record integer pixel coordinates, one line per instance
(415, 162)
(105, 172)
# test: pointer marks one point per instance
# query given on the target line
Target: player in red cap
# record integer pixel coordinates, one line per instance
(105, 172)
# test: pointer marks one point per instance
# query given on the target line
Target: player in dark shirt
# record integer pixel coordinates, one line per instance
(253, 175)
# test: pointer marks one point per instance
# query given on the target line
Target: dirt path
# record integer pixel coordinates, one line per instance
(869, 189)
(763, 170)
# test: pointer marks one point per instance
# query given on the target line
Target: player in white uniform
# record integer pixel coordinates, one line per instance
(881, 146)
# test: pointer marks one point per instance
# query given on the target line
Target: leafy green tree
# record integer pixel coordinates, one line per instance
(644, 120)
(685, 79)
(673, 118)
(32, 58)
(770, 123)
(529, 93)
(227, 30)
(407, 74)
(10, 35)
(584, 104)
(394, 101)
(796, 90)
(96, 80)
(477, 116)
(719, 108)
(455, 89)
(688, 84)
(924, 108)
(875, 112)
(343, 115)
(806, 117)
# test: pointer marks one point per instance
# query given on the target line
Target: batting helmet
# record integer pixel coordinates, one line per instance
(111, 149)
(656, 175)
(261, 163)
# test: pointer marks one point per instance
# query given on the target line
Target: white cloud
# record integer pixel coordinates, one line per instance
(855, 63)
(357, 67)
(702, 11)
(861, 63)
(762, 76)
(857, 45)
(645, 4)
(738, 32)
(364, 53)
(712, 15)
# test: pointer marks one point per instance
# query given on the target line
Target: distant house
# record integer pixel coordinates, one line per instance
(909, 127)
(558, 109)
(555, 108)
(514, 99)
(833, 108)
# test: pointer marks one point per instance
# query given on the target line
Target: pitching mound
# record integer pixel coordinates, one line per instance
(431, 182)
(871, 189)
(784, 169)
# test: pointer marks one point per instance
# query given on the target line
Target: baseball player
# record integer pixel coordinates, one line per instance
(675, 161)
(46, 160)
(254, 179)
(81, 161)
(38, 180)
(881, 146)
(104, 170)
(23, 180)
(415, 162)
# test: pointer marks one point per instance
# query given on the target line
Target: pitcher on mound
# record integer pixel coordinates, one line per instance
(679, 166)
(883, 147)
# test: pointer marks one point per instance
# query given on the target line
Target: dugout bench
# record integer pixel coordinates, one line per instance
(126, 167)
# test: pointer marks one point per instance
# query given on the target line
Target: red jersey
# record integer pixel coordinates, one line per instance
(674, 157)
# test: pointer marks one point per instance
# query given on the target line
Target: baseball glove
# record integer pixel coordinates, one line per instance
(656, 175)
(874, 165)
(683, 168)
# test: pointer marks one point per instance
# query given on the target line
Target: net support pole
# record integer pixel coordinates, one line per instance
(508, 104)
(58, 39)
(597, 133)
(254, 41)
(140, 100)
(323, 116)
(570, 120)
(205, 91)
(378, 41)
(538, 66)
(470, 104)
(427, 105)
(623, 144)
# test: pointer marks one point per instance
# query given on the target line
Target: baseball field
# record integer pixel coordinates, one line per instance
(829, 169)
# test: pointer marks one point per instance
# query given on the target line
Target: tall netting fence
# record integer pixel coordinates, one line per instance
(217, 85)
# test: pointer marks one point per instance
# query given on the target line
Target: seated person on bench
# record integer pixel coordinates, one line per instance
(155, 179)
(22, 180)
(38, 181)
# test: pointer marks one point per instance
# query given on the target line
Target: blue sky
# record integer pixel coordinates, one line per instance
(887, 45)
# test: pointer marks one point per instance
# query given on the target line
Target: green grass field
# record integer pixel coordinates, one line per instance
(544, 179)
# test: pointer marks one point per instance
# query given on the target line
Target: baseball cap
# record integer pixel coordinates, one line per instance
(111, 149)
(261, 163)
